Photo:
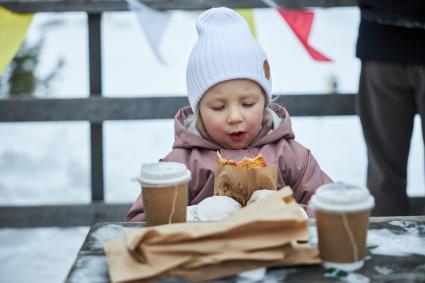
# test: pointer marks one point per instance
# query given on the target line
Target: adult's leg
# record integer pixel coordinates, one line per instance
(386, 107)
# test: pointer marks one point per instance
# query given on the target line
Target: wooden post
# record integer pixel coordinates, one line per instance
(96, 129)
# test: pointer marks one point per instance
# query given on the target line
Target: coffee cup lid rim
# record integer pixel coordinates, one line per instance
(174, 173)
(360, 199)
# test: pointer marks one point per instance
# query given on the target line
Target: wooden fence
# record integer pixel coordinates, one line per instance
(96, 109)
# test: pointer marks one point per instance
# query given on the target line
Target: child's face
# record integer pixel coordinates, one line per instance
(232, 112)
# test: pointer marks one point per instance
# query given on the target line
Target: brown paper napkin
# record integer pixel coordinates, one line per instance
(261, 234)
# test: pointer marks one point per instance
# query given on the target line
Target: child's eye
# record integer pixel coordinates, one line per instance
(248, 104)
(217, 108)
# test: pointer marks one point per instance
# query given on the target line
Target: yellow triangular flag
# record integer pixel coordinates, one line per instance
(248, 15)
(12, 32)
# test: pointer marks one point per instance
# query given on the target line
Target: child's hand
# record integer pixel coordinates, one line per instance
(212, 209)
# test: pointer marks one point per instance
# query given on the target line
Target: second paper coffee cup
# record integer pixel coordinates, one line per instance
(164, 188)
(342, 218)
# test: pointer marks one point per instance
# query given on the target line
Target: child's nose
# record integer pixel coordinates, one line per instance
(235, 115)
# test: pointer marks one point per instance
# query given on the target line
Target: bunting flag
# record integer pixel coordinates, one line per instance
(153, 23)
(300, 22)
(12, 32)
(248, 15)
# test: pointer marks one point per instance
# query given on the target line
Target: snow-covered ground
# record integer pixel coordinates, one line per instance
(49, 162)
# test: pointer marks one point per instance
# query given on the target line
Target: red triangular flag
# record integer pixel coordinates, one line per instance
(300, 23)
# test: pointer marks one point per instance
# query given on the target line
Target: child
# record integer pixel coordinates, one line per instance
(229, 90)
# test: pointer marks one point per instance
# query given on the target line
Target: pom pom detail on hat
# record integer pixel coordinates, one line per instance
(225, 50)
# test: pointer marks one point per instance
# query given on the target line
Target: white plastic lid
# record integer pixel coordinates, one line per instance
(163, 174)
(341, 197)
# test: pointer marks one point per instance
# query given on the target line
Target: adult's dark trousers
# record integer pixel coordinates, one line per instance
(390, 95)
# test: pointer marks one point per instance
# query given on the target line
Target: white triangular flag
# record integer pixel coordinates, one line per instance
(153, 23)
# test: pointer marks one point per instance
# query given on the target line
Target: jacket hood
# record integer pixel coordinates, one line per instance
(186, 136)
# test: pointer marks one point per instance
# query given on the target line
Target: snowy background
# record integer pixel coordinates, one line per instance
(44, 163)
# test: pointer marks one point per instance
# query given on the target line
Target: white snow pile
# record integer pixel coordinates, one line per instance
(90, 269)
(104, 234)
(386, 242)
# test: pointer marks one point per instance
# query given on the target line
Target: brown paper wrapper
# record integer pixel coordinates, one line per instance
(239, 183)
(259, 235)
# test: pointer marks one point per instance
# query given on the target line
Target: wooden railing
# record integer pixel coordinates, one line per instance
(96, 109)
(100, 6)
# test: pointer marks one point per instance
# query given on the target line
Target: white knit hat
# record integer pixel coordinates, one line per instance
(225, 50)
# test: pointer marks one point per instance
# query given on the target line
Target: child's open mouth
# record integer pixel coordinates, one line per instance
(237, 136)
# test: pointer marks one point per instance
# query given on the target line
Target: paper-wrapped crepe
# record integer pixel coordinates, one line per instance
(239, 180)
(212, 208)
(259, 235)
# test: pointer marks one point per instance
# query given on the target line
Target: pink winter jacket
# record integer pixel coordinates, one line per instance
(297, 166)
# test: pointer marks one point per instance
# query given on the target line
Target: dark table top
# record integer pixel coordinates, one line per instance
(396, 253)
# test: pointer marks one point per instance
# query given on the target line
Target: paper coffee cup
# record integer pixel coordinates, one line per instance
(164, 188)
(342, 218)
